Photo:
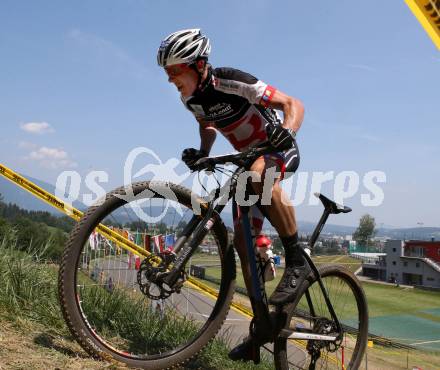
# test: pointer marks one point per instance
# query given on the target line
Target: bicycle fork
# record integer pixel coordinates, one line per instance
(198, 228)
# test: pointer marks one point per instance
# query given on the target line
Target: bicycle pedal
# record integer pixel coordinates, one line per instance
(246, 351)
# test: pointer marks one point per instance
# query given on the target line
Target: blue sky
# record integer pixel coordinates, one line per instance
(366, 72)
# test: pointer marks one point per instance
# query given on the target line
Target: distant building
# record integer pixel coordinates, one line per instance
(412, 263)
(345, 246)
(424, 249)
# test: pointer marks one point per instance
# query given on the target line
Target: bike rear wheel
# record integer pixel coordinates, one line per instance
(100, 292)
(350, 305)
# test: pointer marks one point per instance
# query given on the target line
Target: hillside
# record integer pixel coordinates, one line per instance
(14, 194)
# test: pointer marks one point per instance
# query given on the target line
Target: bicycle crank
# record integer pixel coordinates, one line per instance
(151, 274)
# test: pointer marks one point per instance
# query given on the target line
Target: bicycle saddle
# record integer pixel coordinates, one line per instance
(331, 205)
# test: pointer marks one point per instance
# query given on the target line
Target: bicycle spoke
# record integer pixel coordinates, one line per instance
(108, 290)
(344, 298)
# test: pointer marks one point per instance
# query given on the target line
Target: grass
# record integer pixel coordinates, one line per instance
(28, 288)
(390, 300)
(120, 317)
(214, 271)
(382, 299)
(34, 334)
(350, 263)
(385, 303)
(29, 309)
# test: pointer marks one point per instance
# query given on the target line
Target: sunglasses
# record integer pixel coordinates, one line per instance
(176, 70)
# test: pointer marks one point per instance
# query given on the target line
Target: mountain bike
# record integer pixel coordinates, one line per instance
(153, 314)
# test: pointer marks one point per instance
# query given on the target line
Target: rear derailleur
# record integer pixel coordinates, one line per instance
(151, 274)
(323, 326)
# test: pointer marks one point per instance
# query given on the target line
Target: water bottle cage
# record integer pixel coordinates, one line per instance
(265, 264)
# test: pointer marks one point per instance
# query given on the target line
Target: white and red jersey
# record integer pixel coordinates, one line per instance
(236, 104)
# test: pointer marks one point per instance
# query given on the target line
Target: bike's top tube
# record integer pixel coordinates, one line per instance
(241, 159)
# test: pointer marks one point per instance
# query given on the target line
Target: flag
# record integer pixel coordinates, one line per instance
(139, 238)
(162, 242)
(157, 244)
(93, 240)
(147, 241)
(130, 236)
(125, 234)
(137, 262)
(169, 241)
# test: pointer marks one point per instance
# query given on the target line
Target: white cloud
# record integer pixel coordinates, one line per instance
(45, 152)
(38, 128)
(52, 158)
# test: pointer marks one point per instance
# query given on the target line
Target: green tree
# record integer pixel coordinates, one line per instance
(162, 228)
(7, 233)
(365, 231)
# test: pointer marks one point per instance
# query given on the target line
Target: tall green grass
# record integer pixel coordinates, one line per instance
(117, 315)
(28, 288)
(28, 292)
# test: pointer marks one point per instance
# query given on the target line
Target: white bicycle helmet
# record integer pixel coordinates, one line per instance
(184, 46)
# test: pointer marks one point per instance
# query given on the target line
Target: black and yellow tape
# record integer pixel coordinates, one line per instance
(67, 209)
(427, 13)
(108, 233)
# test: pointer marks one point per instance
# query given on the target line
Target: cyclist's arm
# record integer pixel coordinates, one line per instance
(207, 135)
(292, 108)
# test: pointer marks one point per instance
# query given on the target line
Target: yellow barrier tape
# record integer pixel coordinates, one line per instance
(68, 209)
(112, 235)
(102, 229)
(427, 13)
(236, 306)
(247, 312)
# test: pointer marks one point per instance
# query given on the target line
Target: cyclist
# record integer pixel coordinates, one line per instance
(242, 108)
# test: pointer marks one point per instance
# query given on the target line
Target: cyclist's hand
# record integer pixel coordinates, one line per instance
(281, 138)
(190, 156)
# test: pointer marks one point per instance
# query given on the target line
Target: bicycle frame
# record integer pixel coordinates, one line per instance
(199, 227)
(305, 334)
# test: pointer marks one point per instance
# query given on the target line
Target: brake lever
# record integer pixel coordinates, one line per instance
(204, 164)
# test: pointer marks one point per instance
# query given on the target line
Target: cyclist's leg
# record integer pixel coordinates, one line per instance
(272, 169)
(249, 348)
(280, 213)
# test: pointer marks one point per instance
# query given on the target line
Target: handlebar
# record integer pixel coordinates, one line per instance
(239, 159)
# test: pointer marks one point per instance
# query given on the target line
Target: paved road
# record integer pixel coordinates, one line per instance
(190, 301)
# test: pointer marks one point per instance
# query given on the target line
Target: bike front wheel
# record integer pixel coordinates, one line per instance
(116, 315)
(311, 315)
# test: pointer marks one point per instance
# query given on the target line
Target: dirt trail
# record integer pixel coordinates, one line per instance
(33, 347)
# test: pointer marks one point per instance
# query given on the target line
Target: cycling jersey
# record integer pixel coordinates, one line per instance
(236, 104)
